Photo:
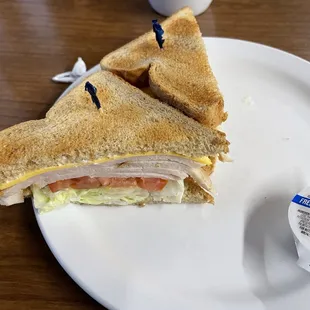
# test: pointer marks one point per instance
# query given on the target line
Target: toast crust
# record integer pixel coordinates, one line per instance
(194, 193)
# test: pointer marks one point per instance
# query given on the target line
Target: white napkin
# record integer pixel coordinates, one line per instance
(78, 70)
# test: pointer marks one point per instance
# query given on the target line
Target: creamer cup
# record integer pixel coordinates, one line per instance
(299, 219)
(168, 7)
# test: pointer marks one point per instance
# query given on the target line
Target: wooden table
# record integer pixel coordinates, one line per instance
(41, 38)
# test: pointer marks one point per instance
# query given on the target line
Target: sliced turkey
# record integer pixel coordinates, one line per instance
(155, 166)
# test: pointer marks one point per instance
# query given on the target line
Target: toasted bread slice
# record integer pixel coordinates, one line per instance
(74, 132)
(180, 74)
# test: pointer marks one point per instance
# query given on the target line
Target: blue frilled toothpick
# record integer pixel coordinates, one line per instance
(93, 91)
(159, 32)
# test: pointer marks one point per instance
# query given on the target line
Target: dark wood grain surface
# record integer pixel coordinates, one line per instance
(41, 38)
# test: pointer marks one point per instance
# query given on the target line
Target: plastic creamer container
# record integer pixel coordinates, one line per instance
(299, 219)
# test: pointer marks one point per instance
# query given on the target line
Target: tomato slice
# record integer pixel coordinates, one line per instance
(59, 185)
(123, 182)
(118, 182)
(85, 183)
(104, 181)
(152, 184)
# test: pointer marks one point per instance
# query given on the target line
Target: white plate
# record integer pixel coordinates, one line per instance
(237, 255)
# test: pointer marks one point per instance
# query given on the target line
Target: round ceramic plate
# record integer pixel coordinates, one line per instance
(237, 255)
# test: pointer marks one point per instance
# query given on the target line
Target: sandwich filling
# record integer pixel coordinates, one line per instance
(133, 180)
(108, 191)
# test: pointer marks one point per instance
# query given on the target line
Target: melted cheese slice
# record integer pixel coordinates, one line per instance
(203, 160)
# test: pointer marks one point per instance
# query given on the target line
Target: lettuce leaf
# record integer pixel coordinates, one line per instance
(110, 196)
(171, 193)
(45, 200)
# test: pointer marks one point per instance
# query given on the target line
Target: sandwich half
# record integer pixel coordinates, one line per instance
(138, 150)
(179, 74)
